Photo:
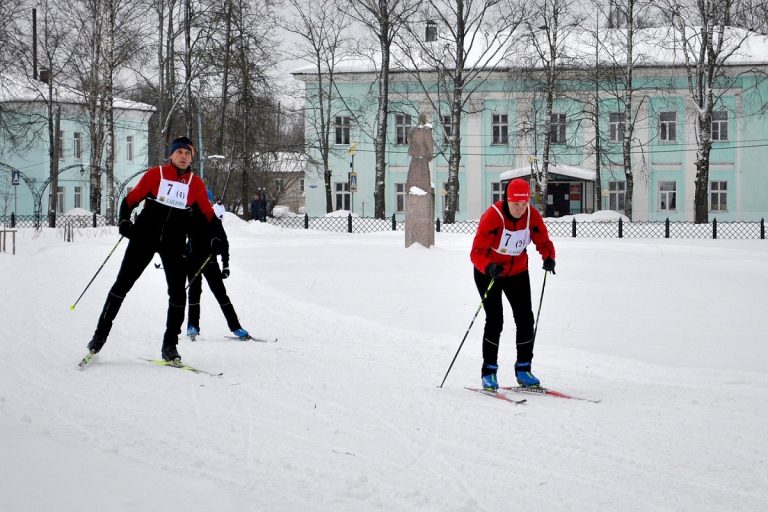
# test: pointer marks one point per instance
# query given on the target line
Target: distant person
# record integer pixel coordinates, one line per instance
(199, 249)
(219, 209)
(500, 260)
(259, 208)
(168, 192)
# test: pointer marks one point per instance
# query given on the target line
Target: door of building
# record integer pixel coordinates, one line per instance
(558, 199)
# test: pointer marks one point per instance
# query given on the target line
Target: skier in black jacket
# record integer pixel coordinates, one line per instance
(202, 262)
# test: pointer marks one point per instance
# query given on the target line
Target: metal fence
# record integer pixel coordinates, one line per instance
(353, 224)
(574, 229)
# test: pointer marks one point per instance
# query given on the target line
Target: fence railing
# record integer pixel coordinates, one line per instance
(574, 229)
(353, 224)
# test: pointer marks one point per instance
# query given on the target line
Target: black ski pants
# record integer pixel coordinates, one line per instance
(212, 274)
(138, 255)
(517, 290)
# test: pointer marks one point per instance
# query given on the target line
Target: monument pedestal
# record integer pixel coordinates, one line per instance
(419, 219)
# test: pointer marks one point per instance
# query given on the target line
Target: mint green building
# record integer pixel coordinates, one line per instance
(24, 153)
(502, 138)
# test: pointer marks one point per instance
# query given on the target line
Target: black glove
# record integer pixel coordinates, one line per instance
(225, 272)
(215, 245)
(549, 265)
(125, 227)
(494, 270)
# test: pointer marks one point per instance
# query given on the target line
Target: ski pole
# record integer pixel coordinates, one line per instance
(198, 271)
(536, 327)
(467, 333)
(72, 307)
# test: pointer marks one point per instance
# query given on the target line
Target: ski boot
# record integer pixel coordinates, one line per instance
(94, 346)
(242, 334)
(193, 332)
(488, 377)
(169, 352)
(524, 376)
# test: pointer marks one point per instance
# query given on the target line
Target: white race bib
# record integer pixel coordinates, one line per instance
(173, 193)
(514, 242)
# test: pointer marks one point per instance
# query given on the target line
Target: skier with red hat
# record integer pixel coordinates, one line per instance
(500, 260)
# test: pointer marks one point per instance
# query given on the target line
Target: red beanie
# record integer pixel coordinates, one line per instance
(518, 190)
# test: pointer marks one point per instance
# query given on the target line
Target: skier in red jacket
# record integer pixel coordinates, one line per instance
(500, 262)
(168, 191)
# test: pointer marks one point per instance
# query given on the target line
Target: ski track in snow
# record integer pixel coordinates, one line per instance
(343, 412)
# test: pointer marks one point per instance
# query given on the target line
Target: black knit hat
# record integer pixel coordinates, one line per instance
(181, 143)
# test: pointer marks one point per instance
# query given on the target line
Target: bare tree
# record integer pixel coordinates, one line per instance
(321, 30)
(707, 41)
(384, 19)
(472, 41)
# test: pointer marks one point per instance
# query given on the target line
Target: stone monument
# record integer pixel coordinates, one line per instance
(419, 192)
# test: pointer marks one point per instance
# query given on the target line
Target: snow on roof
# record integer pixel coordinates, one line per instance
(563, 170)
(18, 89)
(656, 46)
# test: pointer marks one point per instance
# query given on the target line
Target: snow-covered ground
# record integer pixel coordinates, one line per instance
(344, 412)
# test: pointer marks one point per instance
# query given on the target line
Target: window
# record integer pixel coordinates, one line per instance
(720, 125)
(445, 197)
(301, 185)
(399, 197)
(60, 192)
(557, 129)
(447, 129)
(343, 197)
(402, 128)
(279, 185)
(500, 129)
(129, 148)
(668, 126)
(718, 196)
(430, 34)
(343, 124)
(77, 147)
(60, 143)
(616, 192)
(667, 196)
(616, 127)
(78, 197)
(497, 191)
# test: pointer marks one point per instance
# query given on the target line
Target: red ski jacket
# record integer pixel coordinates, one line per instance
(499, 236)
(158, 220)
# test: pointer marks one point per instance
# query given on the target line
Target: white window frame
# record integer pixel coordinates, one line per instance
(61, 193)
(499, 129)
(447, 128)
(557, 128)
(667, 196)
(668, 126)
(342, 196)
(78, 196)
(497, 191)
(617, 191)
(616, 126)
(402, 128)
(343, 130)
(129, 148)
(720, 126)
(77, 146)
(399, 197)
(718, 196)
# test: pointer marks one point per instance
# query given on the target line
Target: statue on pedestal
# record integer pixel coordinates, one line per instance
(419, 192)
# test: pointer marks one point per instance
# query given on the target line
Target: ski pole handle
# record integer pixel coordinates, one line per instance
(72, 307)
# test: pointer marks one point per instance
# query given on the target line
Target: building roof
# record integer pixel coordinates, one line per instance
(656, 46)
(19, 89)
(563, 170)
